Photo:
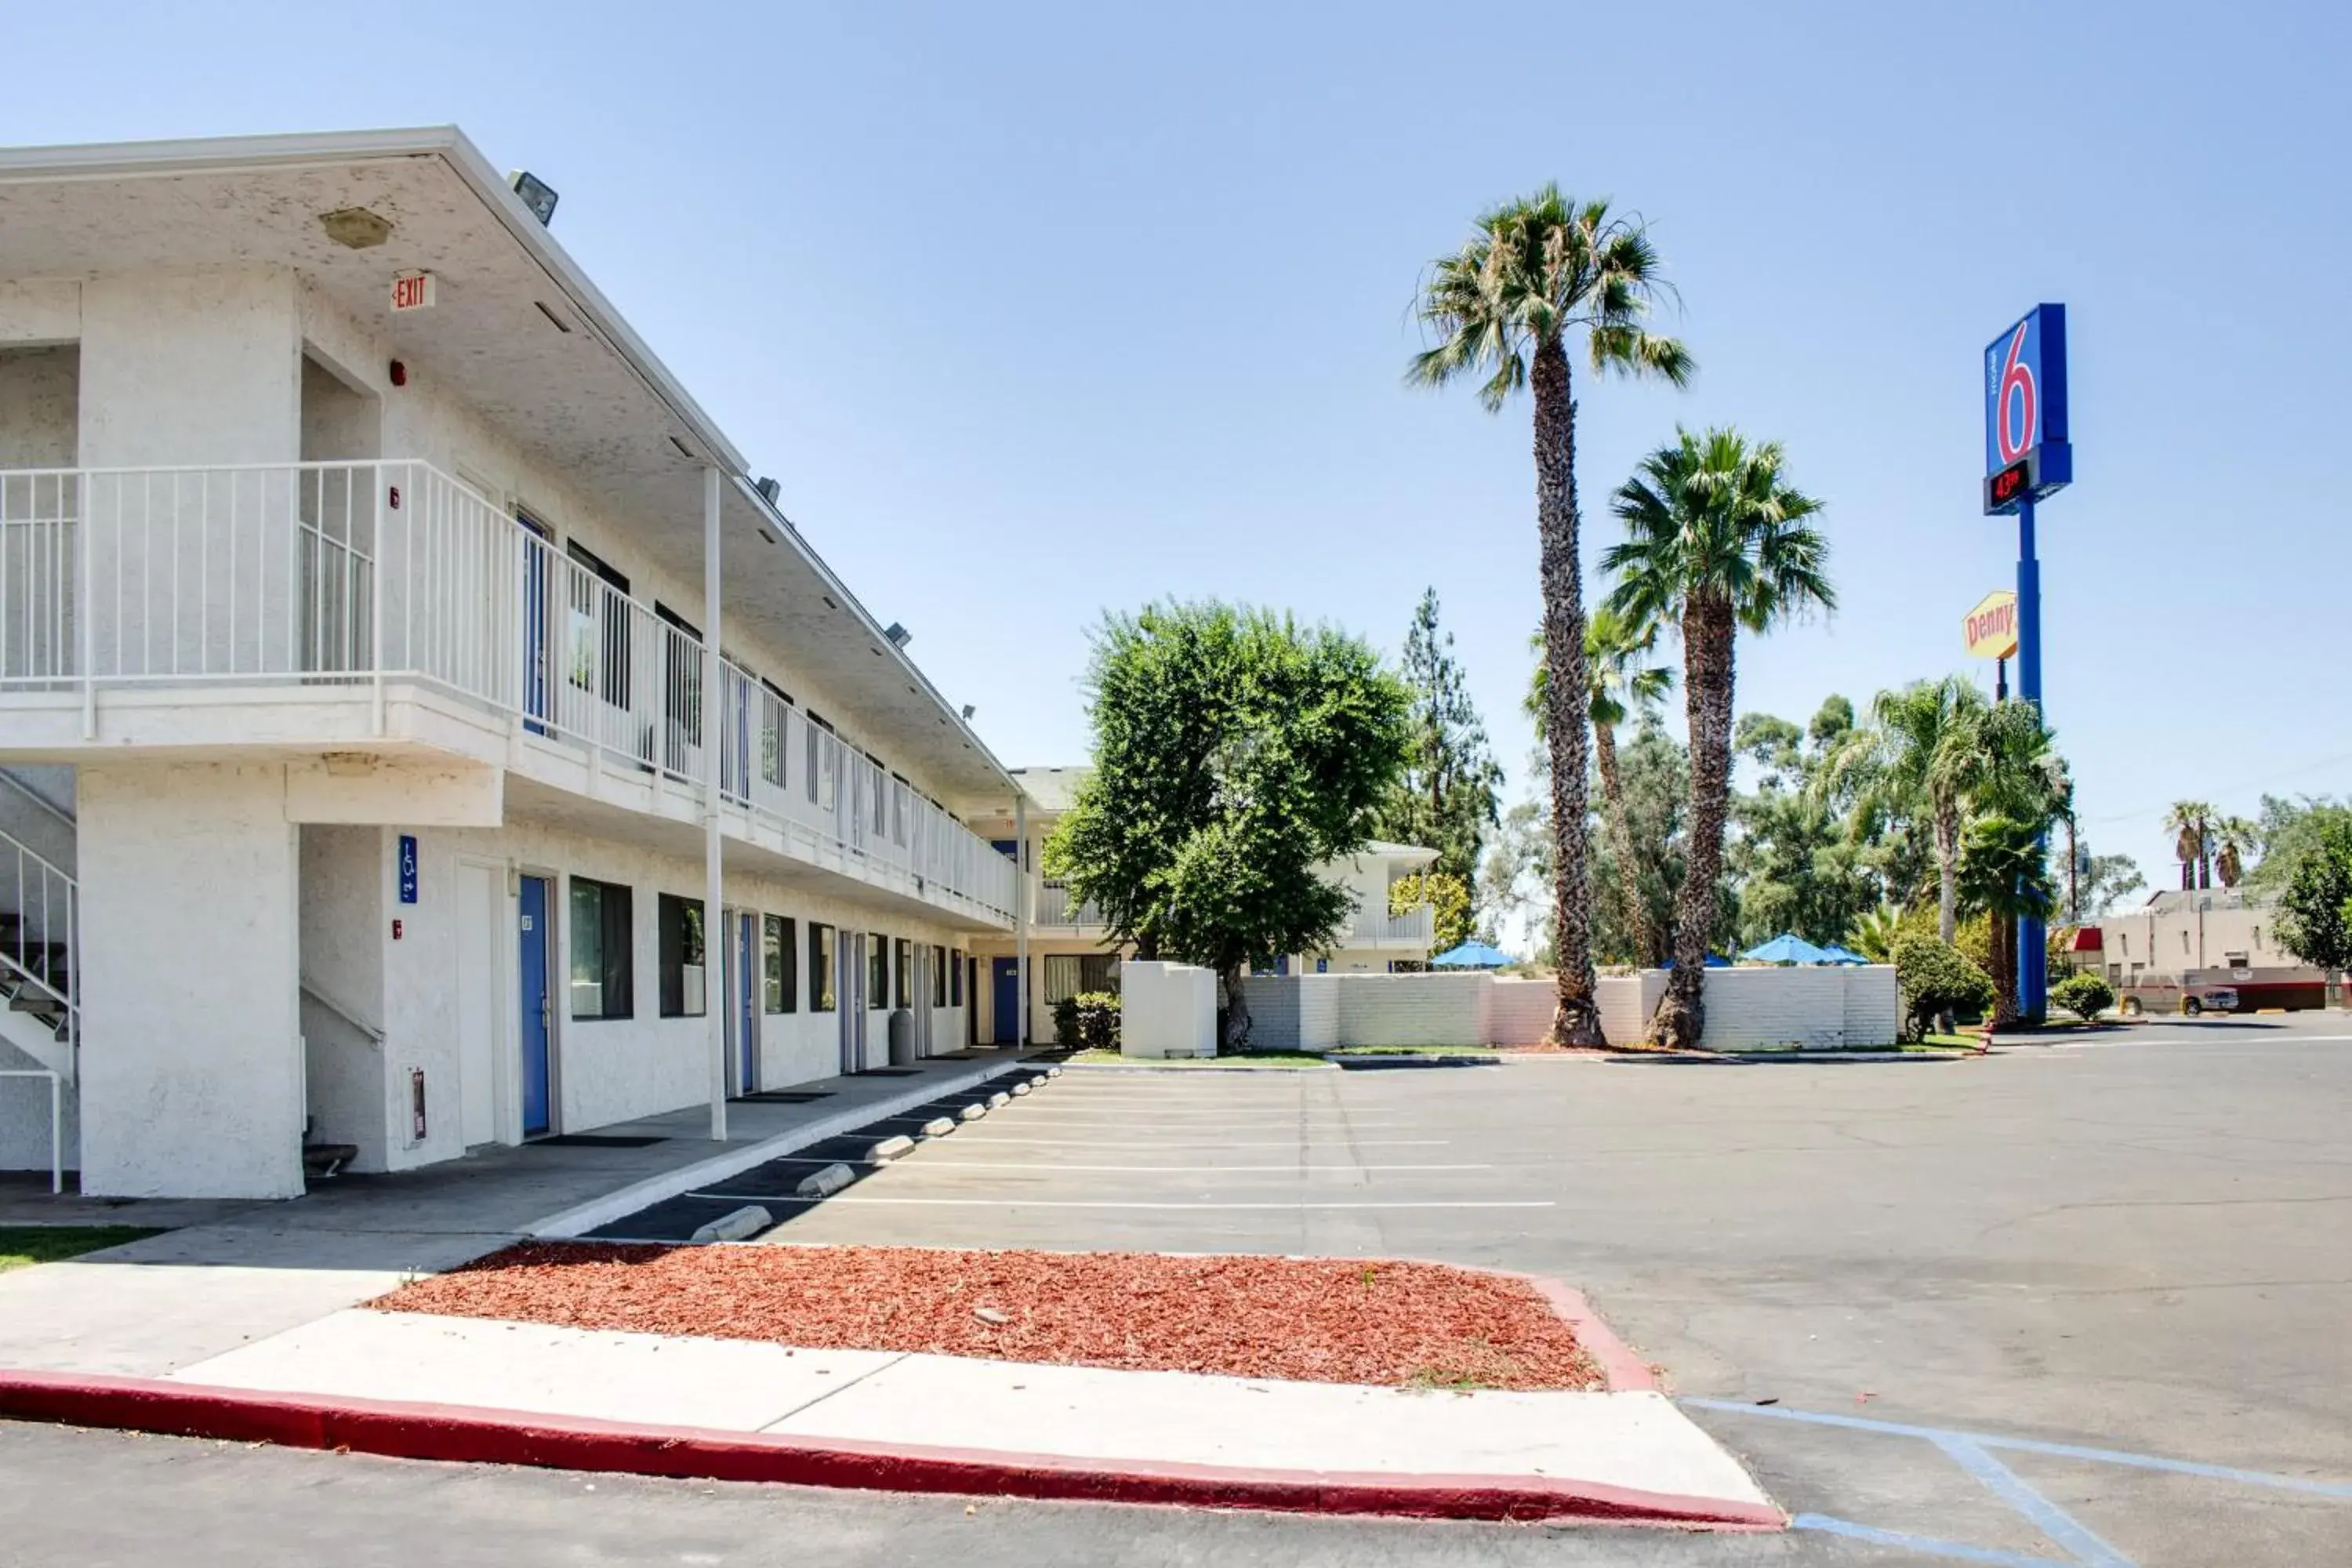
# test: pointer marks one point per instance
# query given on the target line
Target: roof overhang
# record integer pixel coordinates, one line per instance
(520, 333)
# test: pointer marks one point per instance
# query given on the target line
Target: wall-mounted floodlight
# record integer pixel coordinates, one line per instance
(536, 194)
(899, 636)
(968, 710)
(769, 489)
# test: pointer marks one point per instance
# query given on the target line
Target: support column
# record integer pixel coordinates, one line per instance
(714, 941)
(2033, 947)
(1021, 910)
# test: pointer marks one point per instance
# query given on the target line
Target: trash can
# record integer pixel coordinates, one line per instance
(902, 1038)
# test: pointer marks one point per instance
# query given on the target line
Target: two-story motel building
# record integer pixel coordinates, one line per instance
(396, 666)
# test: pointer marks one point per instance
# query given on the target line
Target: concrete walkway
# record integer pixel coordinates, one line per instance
(235, 1272)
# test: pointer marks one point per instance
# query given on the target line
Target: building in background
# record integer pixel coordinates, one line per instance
(1069, 949)
(396, 666)
(2192, 942)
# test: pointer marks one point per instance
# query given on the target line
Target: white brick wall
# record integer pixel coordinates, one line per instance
(1874, 1014)
(1518, 1012)
(1816, 1008)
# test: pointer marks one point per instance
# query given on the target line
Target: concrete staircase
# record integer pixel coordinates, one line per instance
(39, 904)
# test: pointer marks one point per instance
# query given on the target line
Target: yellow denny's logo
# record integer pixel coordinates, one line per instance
(1990, 630)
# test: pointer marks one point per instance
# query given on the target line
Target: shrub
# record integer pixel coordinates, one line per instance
(1933, 977)
(1088, 1022)
(2086, 996)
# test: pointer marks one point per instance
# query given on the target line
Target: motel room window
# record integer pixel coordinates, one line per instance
(821, 997)
(938, 978)
(955, 981)
(881, 796)
(601, 931)
(681, 957)
(778, 965)
(1080, 973)
(905, 962)
(877, 973)
(823, 786)
(682, 685)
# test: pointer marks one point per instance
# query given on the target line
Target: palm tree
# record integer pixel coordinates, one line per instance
(1872, 934)
(1621, 681)
(1923, 753)
(2004, 873)
(2190, 823)
(2232, 836)
(1715, 540)
(1533, 273)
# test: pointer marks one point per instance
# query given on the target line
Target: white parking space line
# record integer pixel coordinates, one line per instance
(1058, 1122)
(945, 1163)
(1013, 1203)
(979, 1133)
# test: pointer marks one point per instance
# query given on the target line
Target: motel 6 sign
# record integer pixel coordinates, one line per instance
(2026, 453)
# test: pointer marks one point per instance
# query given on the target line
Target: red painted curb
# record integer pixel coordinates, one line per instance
(512, 1437)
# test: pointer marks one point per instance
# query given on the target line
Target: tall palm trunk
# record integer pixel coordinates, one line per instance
(1707, 633)
(1577, 1021)
(2004, 970)
(1948, 869)
(1620, 843)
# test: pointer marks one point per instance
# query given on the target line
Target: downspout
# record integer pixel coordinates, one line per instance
(1021, 914)
(714, 945)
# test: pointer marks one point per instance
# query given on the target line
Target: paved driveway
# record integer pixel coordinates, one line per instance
(2082, 1302)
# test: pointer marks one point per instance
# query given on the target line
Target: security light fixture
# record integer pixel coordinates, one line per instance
(536, 194)
(899, 636)
(968, 710)
(769, 489)
(356, 228)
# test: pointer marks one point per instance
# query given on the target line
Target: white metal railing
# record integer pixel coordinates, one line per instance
(1054, 908)
(40, 911)
(1418, 924)
(349, 574)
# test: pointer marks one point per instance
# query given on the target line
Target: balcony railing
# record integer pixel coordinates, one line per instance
(1054, 908)
(1417, 925)
(352, 575)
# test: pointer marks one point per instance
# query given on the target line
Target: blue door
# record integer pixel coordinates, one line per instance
(536, 706)
(1007, 976)
(747, 1007)
(535, 1001)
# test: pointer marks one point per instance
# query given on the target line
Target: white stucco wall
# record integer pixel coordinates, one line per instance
(343, 958)
(192, 1069)
(1519, 1012)
(1626, 1003)
(190, 367)
(1166, 1010)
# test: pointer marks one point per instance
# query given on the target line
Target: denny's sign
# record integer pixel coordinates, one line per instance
(1990, 630)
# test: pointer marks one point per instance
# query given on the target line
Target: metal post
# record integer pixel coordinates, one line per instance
(2032, 950)
(714, 895)
(1021, 913)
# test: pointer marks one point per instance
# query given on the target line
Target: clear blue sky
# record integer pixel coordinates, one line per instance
(1039, 310)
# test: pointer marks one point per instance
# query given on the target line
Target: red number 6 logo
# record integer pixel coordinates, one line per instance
(2016, 379)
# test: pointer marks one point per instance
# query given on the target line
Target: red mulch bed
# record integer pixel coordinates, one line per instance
(1310, 1320)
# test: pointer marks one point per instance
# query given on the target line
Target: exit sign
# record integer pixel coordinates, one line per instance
(412, 292)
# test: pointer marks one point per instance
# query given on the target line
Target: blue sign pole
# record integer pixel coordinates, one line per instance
(2032, 940)
(2027, 457)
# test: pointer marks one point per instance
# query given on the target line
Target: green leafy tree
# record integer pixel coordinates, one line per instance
(1934, 980)
(2106, 880)
(1448, 897)
(1798, 864)
(1447, 795)
(1623, 683)
(1504, 310)
(2086, 996)
(2005, 876)
(2314, 909)
(1515, 879)
(1717, 540)
(1236, 755)
(2285, 831)
(1873, 933)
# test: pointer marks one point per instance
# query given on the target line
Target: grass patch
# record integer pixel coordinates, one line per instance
(22, 1245)
(1946, 1043)
(1231, 1059)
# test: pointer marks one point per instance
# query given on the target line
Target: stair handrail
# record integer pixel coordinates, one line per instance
(341, 1010)
(9, 777)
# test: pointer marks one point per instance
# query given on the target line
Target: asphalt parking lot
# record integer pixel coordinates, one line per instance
(2077, 1302)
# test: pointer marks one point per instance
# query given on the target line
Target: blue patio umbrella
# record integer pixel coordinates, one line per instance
(1713, 961)
(1838, 955)
(1472, 955)
(1787, 948)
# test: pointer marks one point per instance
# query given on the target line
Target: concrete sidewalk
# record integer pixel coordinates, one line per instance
(563, 1395)
(247, 1270)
